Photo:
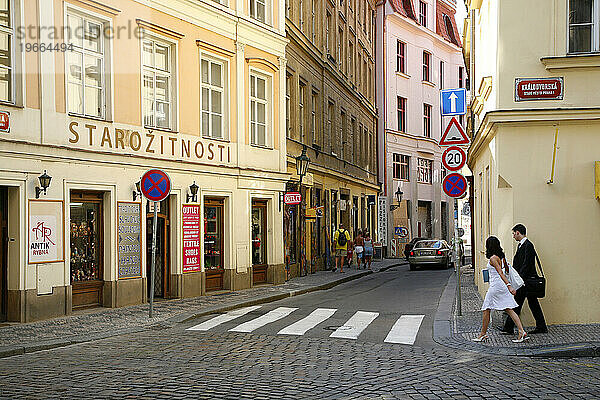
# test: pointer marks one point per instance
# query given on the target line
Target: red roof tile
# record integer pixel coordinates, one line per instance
(446, 23)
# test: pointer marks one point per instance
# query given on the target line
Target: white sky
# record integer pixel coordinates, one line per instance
(461, 13)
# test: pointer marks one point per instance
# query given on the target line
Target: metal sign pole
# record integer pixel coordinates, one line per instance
(457, 258)
(152, 265)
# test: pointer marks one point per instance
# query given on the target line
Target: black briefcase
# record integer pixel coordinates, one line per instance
(536, 286)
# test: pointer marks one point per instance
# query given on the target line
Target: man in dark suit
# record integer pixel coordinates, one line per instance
(524, 264)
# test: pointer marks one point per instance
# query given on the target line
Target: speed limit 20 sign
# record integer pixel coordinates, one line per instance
(454, 158)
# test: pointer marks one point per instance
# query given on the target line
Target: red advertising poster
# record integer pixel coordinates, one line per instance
(191, 237)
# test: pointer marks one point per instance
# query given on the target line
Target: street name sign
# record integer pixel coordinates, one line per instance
(454, 158)
(454, 185)
(155, 185)
(453, 101)
(454, 135)
(539, 89)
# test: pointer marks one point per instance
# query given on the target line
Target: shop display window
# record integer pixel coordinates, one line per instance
(213, 237)
(85, 242)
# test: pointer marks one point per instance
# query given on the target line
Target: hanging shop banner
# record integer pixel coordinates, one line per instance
(46, 231)
(382, 220)
(191, 237)
(129, 239)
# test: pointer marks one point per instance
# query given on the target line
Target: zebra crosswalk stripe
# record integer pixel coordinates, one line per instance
(263, 320)
(299, 328)
(221, 319)
(355, 325)
(405, 329)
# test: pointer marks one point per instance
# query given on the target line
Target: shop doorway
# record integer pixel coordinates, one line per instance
(3, 252)
(259, 242)
(163, 241)
(213, 244)
(87, 248)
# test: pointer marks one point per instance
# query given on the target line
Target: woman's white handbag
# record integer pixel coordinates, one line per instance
(514, 278)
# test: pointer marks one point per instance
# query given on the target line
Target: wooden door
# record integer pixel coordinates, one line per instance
(87, 248)
(3, 251)
(213, 244)
(259, 242)
(161, 267)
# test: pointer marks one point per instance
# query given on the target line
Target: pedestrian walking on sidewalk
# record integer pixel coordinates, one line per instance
(524, 263)
(368, 249)
(359, 244)
(341, 237)
(500, 293)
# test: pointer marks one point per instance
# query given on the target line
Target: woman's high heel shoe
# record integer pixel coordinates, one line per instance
(480, 338)
(522, 337)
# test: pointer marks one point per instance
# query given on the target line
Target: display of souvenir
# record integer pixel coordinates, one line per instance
(84, 246)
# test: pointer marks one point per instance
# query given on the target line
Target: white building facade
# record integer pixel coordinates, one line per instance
(418, 54)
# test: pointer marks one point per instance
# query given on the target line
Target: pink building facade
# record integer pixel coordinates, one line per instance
(418, 53)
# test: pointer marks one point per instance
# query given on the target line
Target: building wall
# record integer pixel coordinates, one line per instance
(411, 140)
(333, 59)
(515, 141)
(109, 154)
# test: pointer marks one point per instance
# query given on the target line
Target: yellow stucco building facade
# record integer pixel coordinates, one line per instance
(96, 93)
(535, 80)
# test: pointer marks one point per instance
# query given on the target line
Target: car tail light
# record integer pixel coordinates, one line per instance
(439, 252)
(412, 253)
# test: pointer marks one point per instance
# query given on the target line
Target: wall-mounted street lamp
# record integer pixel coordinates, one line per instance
(398, 196)
(302, 162)
(138, 191)
(44, 183)
(194, 192)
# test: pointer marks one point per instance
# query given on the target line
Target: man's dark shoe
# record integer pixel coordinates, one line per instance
(538, 330)
(504, 331)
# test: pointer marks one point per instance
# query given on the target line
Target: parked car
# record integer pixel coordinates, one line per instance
(409, 246)
(430, 252)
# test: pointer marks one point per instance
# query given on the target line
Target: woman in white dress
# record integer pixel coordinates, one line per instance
(500, 295)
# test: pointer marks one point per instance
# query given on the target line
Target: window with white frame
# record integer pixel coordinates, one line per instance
(313, 18)
(427, 120)
(7, 44)
(85, 66)
(424, 170)
(584, 26)
(157, 91)
(258, 10)
(441, 74)
(313, 116)
(426, 66)
(288, 111)
(214, 97)
(259, 109)
(423, 13)
(400, 54)
(401, 166)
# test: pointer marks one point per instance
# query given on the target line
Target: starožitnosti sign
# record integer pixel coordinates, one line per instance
(382, 221)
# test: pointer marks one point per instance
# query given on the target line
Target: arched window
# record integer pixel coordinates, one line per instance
(450, 29)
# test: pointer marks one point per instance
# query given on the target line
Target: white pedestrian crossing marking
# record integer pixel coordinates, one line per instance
(310, 321)
(220, 319)
(263, 320)
(405, 329)
(355, 325)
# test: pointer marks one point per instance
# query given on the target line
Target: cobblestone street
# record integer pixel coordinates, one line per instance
(171, 364)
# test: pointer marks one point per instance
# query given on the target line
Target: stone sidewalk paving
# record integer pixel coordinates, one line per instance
(100, 323)
(560, 341)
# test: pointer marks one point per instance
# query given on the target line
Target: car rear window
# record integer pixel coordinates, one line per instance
(428, 244)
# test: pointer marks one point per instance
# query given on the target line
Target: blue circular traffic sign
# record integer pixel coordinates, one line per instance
(454, 185)
(155, 185)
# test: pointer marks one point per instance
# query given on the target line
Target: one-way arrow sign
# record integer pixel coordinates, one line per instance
(454, 135)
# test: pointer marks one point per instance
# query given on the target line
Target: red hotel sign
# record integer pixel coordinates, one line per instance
(292, 198)
(539, 89)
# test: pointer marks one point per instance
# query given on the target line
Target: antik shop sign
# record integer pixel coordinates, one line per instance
(146, 142)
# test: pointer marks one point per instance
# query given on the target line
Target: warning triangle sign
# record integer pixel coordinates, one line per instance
(454, 134)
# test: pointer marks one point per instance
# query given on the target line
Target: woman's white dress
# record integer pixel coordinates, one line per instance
(497, 297)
